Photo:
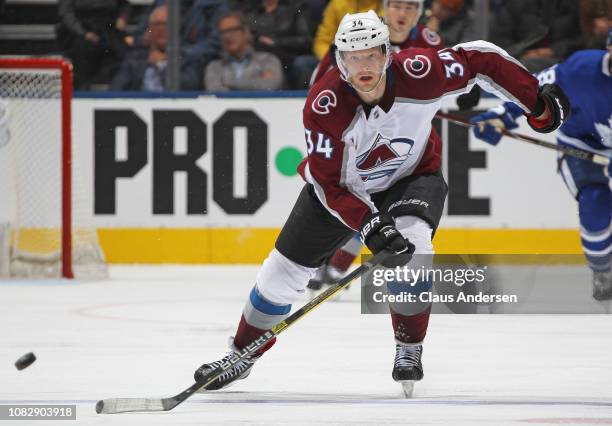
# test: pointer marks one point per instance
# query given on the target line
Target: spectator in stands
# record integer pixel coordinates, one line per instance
(241, 67)
(92, 34)
(283, 30)
(333, 14)
(596, 21)
(145, 69)
(198, 36)
(452, 21)
(539, 32)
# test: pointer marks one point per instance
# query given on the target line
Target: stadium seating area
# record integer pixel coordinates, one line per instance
(539, 33)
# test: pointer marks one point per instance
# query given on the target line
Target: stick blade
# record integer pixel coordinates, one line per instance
(126, 405)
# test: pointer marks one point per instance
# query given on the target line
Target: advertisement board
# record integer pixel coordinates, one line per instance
(211, 179)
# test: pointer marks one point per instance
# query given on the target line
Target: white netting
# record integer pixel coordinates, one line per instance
(31, 180)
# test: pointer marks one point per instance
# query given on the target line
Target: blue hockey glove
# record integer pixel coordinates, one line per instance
(488, 124)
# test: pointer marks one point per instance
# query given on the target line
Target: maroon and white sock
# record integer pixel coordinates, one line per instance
(246, 334)
(410, 328)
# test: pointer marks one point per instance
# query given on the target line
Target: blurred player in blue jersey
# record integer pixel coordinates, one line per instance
(586, 78)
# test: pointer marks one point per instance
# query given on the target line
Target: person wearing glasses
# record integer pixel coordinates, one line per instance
(240, 66)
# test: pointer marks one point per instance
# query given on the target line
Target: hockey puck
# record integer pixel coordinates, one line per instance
(99, 406)
(25, 361)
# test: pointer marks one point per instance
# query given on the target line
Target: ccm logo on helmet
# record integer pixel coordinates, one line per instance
(324, 101)
(356, 39)
(418, 67)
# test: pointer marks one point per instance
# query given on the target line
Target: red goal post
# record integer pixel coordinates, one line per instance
(36, 95)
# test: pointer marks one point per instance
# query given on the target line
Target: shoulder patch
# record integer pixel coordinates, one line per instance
(430, 36)
(325, 100)
(417, 67)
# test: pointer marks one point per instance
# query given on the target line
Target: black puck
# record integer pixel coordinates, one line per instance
(25, 361)
(99, 406)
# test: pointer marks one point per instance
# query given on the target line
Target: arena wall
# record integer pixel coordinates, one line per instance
(211, 180)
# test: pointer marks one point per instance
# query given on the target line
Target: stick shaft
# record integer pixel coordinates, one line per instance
(572, 152)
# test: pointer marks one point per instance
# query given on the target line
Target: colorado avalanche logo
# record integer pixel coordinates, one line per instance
(384, 157)
(324, 101)
(430, 36)
(418, 67)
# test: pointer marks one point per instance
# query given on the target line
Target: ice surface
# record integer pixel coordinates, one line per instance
(143, 332)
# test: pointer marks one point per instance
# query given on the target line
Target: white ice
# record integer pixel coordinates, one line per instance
(144, 331)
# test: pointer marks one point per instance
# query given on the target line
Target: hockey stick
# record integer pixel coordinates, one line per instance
(572, 152)
(123, 405)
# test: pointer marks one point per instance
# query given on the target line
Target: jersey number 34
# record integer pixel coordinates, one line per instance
(322, 146)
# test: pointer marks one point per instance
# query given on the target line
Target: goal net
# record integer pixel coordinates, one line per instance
(46, 227)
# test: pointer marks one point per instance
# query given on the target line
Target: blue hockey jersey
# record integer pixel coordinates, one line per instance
(586, 79)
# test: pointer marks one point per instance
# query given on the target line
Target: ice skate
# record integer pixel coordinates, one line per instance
(407, 368)
(239, 372)
(602, 285)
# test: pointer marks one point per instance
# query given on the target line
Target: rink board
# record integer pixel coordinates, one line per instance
(211, 180)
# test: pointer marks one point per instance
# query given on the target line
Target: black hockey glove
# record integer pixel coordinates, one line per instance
(551, 99)
(378, 232)
(469, 100)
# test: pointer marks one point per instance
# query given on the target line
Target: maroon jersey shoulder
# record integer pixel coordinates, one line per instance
(330, 105)
(327, 62)
(419, 73)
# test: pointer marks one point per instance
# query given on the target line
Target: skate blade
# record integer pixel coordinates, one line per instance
(407, 387)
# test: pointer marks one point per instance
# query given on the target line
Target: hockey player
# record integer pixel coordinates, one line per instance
(371, 153)
(402, 17)
(586, 77)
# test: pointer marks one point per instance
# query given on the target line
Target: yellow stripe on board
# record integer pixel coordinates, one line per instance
(252, 245)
